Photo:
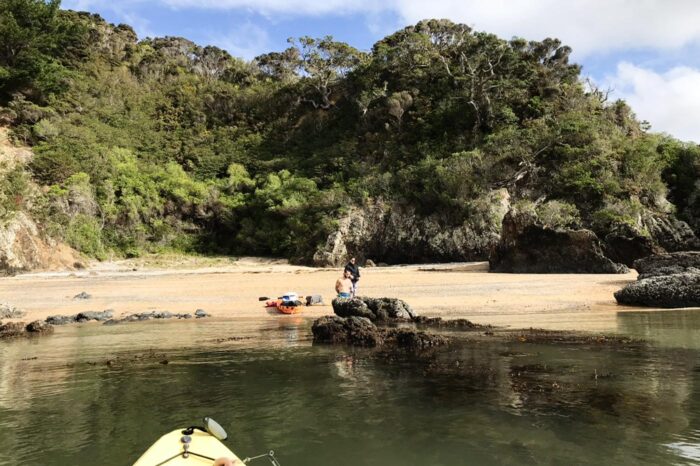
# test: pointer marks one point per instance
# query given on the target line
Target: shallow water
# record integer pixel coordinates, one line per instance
(101, 395)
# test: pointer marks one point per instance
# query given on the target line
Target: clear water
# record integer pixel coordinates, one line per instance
(61, 403)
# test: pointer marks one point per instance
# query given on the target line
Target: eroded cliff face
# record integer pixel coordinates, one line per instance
(391, 233)
(23, 246)
(23, 249)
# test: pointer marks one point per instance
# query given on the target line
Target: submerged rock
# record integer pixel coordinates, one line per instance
(82, 295)
(375, 309)
(412, 339)
(528, 247)
(667, 291)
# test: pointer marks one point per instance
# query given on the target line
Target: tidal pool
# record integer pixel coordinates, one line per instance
(101, 395)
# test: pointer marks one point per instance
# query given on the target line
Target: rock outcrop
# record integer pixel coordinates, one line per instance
(22, 248)
(528, 247)
(665, 280)
(360, 331)
(390, 233)
(666, 264)
(670, 233)
(20, 329)
(374, 309)
(625, 245)
(667, 291)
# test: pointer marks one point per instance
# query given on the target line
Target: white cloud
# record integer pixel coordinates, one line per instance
(294, 7)
(245, 41)
(588, 26)
(670, 101)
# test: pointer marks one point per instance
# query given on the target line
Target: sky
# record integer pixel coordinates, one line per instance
(644, 51)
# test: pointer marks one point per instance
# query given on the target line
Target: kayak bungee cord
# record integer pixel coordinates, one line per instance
(270, 455)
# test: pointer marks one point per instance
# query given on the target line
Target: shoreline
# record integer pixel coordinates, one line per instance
(229, 289)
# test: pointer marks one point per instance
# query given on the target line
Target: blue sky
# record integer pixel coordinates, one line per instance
(646, 51)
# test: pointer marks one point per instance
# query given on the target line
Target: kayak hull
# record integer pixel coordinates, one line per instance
(169, 448)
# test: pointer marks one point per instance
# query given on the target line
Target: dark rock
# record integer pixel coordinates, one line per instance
(357, 331)
(667, 271)
(162, 315)
(112, 322)
(672, 234)
(663, 264)
(625, 245)
(375, 309)
(459, 324)
(412, 339)
(12, 330)
(185, 316)
(99, 316)
(199, 313)
(10, 312)
(528, 247)
(667, 291)
(82, 295)
(60, 320)
(39, 327)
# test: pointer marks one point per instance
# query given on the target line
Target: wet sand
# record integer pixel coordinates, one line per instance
(230, 289)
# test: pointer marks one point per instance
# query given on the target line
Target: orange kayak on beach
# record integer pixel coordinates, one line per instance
(285, 307)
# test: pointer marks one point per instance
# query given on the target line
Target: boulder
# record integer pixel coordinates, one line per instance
(665, 264)
(60, 320)
(625, 245)
(414, 340)
(39, 327)
(528, 247)
(360, 331)
(82, 295)
(99, 316)
(666, 291)
(374, 309)
(356, 331)
(12, 330)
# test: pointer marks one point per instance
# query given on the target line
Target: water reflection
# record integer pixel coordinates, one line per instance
(61, 403)
(677, 328)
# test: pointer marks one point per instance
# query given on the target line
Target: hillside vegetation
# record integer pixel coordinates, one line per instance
(162, 144)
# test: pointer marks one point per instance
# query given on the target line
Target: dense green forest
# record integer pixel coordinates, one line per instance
(158, 144)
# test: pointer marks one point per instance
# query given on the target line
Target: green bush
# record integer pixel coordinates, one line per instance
(85, 234)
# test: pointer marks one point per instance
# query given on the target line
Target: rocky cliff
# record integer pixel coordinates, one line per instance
(391, 233)
(23, 249)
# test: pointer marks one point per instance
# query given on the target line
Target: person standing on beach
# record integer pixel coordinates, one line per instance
(343, 286)
(354, 270)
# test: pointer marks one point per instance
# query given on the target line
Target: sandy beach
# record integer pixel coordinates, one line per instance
(229, 289)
